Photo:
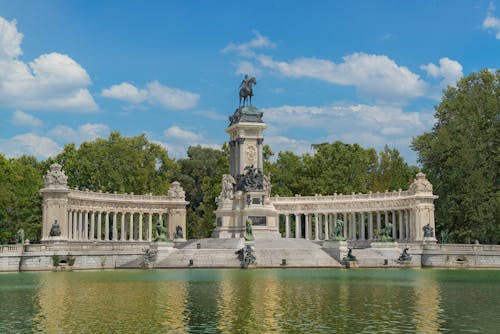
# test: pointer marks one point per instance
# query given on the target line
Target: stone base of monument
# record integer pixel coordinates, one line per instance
(429, 240)
(336, 248)
(350, 264)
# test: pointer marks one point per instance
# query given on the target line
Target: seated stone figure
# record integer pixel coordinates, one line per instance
(55, 230)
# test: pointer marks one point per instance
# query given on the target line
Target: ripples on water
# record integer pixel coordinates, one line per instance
(251, 301)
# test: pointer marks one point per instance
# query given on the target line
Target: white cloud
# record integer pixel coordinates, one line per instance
(246, 67)
(374, 76)
(29, 144)
(177, 141)
(51, 81)
(171, 98)
(492, 23)
(155, 93)
(10, 39)
(176, 133)
(448, 69)
(85, 132)
(125, 92)
(21, 118)
(246, 49)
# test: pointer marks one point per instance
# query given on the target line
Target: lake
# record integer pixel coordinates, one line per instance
(251, 301)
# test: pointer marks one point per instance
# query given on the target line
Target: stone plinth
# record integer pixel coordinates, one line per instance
(336, 248)
(384, 244)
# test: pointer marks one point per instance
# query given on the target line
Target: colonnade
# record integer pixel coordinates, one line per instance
(111, 225)
(359, 225)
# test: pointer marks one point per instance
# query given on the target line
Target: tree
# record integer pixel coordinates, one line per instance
(20, 200)
(461, 159)
(391, 171)
(201, 174)
(123, 164)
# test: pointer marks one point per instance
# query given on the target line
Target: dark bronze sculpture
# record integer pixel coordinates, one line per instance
(252, 179)
(349, 256)
(55, 229)
(246, 256)
(178, 232)
(405, 257)
(428, 231)
(246, 90)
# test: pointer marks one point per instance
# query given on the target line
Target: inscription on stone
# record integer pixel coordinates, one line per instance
(258, 220)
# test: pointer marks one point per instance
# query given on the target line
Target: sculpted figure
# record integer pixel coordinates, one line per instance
(428, 231)
(246, 90)
(228, 183)
(55, 229)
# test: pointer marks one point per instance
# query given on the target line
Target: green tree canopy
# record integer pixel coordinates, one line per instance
(122, 164)
(461, 158)
(20, 199)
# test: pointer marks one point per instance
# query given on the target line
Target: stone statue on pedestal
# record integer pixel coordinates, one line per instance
(428, 231)
(55, 230)
(246, 90)
(337, 232)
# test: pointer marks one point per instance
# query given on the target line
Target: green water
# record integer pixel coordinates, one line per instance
(251, 301)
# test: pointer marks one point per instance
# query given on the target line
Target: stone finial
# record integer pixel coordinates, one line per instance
(421, 184)
(55, 177)
(176, 191)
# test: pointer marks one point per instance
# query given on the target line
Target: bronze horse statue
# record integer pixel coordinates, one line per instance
(246, 91)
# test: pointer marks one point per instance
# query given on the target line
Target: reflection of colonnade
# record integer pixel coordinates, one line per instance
(98, 216)
(363, 225)
(400, 215)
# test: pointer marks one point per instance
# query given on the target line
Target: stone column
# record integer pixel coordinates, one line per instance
(123, 234)
(115, 227)
(70, 224)
(99, 225)
(345, 224)
(241, 154)
(131, 227)
(287, 226)
(378, 224)
(328, 223)
(297, 226)
(400, 214)
(320, 224)
(370, 225)
(92, 226)
(386, 218)
(259, 153)
(361, 226)
(353, 224)
(80, 223)
(106, 226)
(316, 226)
(140, 226)
(394, 235)
(307, 226)
(150, 226)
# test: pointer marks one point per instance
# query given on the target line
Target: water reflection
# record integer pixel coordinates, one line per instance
(253, 301)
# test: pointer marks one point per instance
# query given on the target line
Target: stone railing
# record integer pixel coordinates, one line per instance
(11, 248)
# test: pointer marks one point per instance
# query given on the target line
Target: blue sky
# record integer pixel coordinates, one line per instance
(367, 72)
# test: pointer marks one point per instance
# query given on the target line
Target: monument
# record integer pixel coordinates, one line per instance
(245, 194)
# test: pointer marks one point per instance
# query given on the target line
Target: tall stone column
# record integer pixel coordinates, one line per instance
(394, 235)
(361, 226)
(353, 224)
(306, 217)
(92, 225)
(370, 225)
(259, 154)
(297, 226)
(378, 224)
(123, 234)
(241, 154)
(287, 226)
(115, 226)
(70, 224)
(99, 225)
(131, 227)
(316, 226)
(80, 223)
(345, 224)
(106, 226)
(140, 226)
(401, 234)
(150, 226)
(328, 223)
(85, 225)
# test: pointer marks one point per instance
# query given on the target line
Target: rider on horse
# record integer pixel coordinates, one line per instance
(246, 90)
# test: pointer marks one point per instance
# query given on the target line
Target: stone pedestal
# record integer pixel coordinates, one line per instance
(336, 248)
(351, 264)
